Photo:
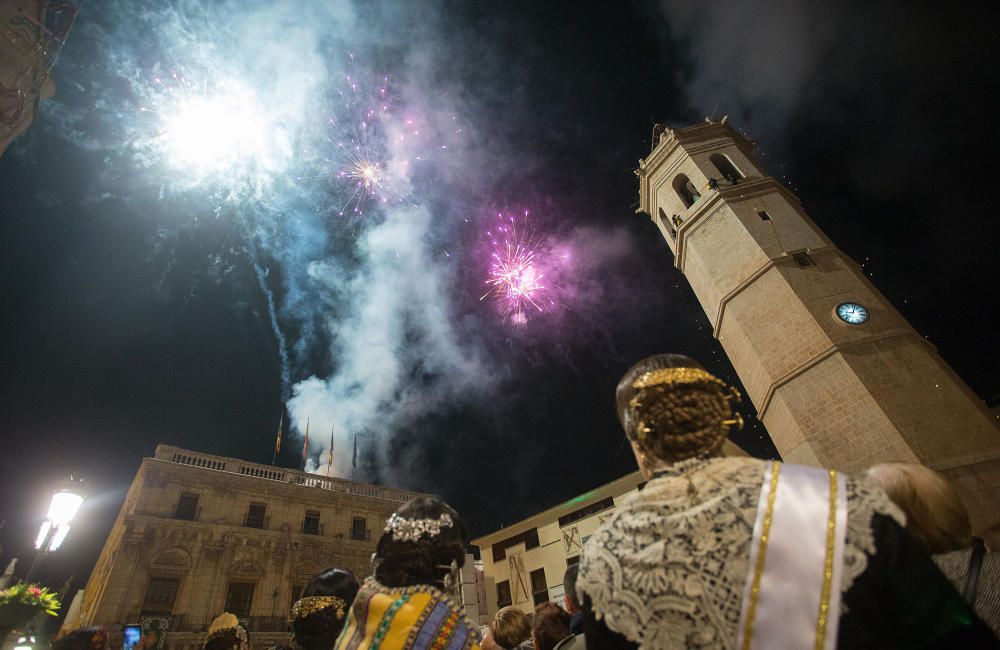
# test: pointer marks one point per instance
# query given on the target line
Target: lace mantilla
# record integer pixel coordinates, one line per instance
(668, 569)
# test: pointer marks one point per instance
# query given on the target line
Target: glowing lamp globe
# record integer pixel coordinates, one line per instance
(64, 506)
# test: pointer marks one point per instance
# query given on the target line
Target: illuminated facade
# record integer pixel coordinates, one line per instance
(200, 534)
(838, 376)
(524, 563)
(32, 32)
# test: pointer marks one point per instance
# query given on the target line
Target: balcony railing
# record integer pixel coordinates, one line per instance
(188, 515)
(295, 477)
(268, 624)
(256, 522)
(311, 527)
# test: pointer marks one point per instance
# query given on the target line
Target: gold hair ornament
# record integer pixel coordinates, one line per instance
(309, 605)
(646, 406)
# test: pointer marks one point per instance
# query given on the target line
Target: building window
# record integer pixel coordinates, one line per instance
(764, 216)
(296, 594)
(529, 537)
(160, 596)
(310, 525)
(586, 511)
(503, 593)
(239, 598)
(359, 529)
(256, 516)
(570, 561)
(686, 190)
(803, 259)
(187, 507)
(726, 167)
(539, 588)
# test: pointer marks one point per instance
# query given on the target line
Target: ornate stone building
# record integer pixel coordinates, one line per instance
(32, 32)
(838, 376)
(201, 534)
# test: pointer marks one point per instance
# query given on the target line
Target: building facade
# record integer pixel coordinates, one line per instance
(838, 376)
(523, 564)
(32, 32)
(200, 534)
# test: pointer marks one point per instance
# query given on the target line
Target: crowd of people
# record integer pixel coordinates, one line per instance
(713, 552)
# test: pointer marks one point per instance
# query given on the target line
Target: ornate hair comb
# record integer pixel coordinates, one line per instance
(410, 530)
(309, 605)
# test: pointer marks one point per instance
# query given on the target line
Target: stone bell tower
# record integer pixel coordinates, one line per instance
(837, 375)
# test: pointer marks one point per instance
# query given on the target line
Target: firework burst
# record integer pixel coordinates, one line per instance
(518, 267)
(220, 131)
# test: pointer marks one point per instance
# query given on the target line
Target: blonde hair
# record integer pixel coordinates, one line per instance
(510, 627)
(934, 512)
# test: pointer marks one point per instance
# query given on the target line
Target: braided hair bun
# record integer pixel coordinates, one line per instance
(316, 628)
(674, 409)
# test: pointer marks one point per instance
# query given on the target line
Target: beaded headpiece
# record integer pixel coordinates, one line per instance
(309, 605)
(410, 530)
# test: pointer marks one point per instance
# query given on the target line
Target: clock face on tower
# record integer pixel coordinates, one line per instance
(852, 313)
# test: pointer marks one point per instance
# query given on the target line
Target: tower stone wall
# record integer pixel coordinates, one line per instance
(830, 393)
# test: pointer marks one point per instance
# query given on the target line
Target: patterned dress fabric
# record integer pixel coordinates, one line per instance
(955, 566)
(419, 617)
(668, 569)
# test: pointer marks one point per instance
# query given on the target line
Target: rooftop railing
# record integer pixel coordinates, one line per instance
(268, 472)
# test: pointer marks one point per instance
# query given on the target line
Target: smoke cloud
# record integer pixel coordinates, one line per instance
(375, 314)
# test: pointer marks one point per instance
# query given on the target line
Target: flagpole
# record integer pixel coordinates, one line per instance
(305, 446)
(329, 462)
(277, 443)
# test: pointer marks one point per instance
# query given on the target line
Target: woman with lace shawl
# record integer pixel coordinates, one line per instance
(410, 601)
(734, 552)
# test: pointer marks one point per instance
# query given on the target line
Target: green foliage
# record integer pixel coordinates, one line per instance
(24, 594)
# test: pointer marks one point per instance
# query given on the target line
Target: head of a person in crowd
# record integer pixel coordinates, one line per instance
(934, 512)
(672, 409)
(226, 633)
(569, 587)
(85, 638)
(423, 543)
(550, 626)
(318, 616)
(508, 629)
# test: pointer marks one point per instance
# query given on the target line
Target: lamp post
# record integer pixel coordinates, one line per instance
(64, 506)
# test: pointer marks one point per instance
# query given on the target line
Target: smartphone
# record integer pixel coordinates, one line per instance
(131, 636)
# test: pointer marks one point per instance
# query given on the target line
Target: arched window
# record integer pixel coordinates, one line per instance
(686, 190)
(726, 167)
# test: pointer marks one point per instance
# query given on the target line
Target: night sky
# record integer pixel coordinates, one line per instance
(136, 291)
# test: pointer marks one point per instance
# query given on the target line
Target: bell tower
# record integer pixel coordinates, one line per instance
(837, 375)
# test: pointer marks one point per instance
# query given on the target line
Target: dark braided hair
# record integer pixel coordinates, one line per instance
(223, 640)
(319, 630)
(673, 409)
(403, 563)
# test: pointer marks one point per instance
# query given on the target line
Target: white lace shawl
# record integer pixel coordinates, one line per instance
(668, 569)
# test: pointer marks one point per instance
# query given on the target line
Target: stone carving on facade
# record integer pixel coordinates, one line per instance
(245, 565)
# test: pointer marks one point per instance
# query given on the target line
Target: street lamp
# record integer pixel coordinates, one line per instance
(65, 503)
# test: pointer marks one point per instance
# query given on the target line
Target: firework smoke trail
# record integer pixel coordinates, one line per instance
(261, 275)
(516, 269)
(229, 140)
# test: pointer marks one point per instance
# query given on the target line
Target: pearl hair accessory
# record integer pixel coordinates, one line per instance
(410, 530)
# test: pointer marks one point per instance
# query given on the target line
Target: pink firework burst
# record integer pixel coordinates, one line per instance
(517, 269)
